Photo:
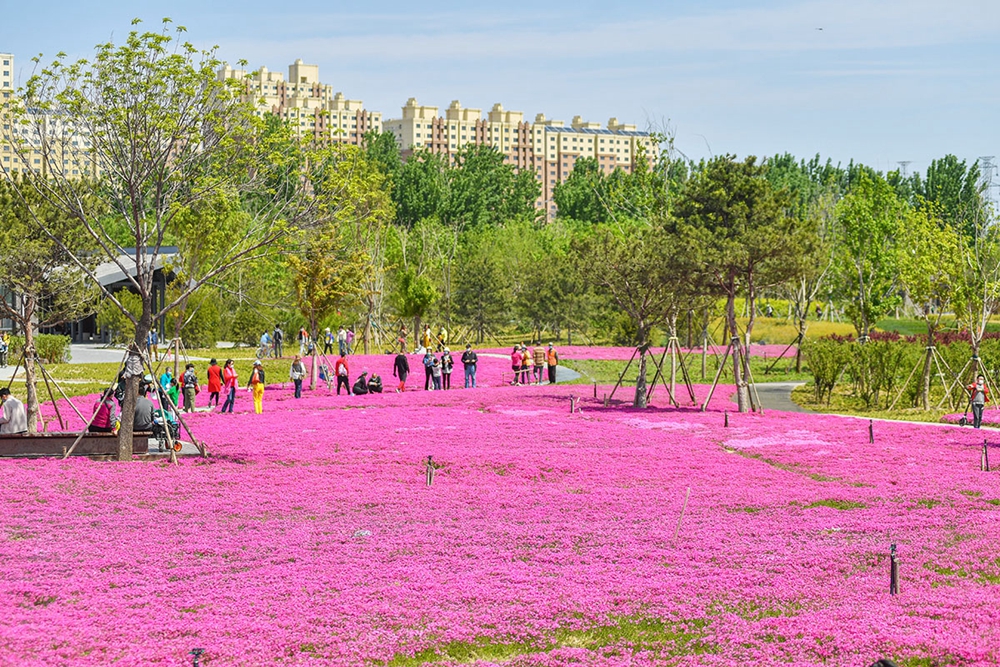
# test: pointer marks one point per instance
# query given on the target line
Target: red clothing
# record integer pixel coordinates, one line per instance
(229, 378)
(214, 379)
(340, 368)
(515, 360)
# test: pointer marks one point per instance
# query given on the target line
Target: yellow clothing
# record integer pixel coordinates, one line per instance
(258, 398)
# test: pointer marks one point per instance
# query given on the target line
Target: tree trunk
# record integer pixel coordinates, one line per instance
(925, 384)
(30, 382)
(640, 382)
(742, 395)
(133, 373)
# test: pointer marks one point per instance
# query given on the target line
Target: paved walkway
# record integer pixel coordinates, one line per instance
(778, 396)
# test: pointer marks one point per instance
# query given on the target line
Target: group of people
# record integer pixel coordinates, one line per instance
(273, 344)
(530, 364)
(426, 340)
(437, 370)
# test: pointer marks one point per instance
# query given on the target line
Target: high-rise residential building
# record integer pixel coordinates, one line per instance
(310, 107)
(549, 148)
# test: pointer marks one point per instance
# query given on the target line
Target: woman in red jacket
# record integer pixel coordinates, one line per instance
(230, 382)
(214, 382)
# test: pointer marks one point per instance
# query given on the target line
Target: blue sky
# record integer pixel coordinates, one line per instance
(883, 81)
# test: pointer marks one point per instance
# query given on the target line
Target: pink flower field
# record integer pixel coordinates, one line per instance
(310, 537)
(624, 353)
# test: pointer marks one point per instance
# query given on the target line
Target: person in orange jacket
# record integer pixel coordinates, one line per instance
(979, 396)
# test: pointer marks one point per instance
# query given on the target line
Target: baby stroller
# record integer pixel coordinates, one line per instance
(161, 424)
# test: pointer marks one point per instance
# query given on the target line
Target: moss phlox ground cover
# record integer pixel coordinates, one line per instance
(548, 538)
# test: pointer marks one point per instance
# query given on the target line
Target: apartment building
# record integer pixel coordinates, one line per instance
(549, 148)
(311, 108)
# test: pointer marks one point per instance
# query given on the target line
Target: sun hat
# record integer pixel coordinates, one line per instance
(256, 362)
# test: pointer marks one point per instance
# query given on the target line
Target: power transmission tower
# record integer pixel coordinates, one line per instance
(903, 168)
(986, 170)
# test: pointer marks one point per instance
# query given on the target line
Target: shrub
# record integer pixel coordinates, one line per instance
(827, 360)
(50, 348)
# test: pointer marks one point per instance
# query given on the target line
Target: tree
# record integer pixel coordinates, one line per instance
(929, 271)
(636, 271)
(954, 189)
(47, 288)
(583, 195)
(150, 118)
(738, 234)
(415, 294)
(866, 257)
(482, 291)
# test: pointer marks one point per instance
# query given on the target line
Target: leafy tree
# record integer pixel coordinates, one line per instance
(737, 234)
(152, 119)
(929, 270)
(866, 256)
(636, 273)
(482, 291)
(382, 150)
(583, 195)
(47, 289)
(421, 188)
(954, 189)
(415, 294)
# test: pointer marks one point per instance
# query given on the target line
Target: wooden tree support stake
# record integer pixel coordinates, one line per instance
(893, 571)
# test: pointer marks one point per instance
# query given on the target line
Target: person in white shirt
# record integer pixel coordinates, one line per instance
(13, 418)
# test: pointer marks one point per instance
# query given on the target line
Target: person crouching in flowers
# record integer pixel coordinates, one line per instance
(257, 386)
(979, 396)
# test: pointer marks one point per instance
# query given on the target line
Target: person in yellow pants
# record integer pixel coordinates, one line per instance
(257, 386)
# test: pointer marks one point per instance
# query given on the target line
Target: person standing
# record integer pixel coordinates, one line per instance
(327, 341)
(303, 341)
(341, 340)
(442, 339)
(343, 373)
(515, 364)
(13, 418)
(428, 365)
(401, 369)
(469, 361)
(214, 374)
(4, 349)
(189, 381)
(279, 342)
(230, 380)
(427, 338)
(296, 372)
(552, 359)
(257, 386)
(166, 379)
(403, 333)
(350, 345)
(436, 373)
(538, 356)
(153, 345)
(447, 365)
(979, 396)
(525, 365)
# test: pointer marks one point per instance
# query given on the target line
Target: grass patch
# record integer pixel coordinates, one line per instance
(623, 634)
(608, 371)
(842, 403)
(836, 504)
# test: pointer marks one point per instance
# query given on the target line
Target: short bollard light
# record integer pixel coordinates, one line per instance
(726, 418)
(430, 470)
(893, 570)
(871, 431)
(196, 656)
(984, 462)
